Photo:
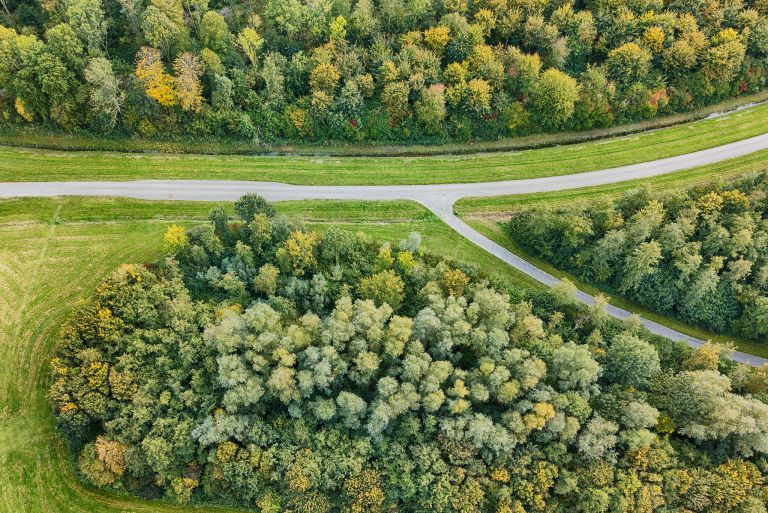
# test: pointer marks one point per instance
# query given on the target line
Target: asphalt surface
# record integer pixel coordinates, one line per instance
(437, 198)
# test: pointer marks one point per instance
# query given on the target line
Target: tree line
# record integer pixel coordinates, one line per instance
(264, 365)
(365, 70)
(700, 255)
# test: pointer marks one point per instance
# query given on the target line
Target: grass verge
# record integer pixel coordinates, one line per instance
(23, 164)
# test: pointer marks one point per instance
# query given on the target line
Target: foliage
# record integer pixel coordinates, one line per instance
(699, 254)
(328, 70)
(262, 364)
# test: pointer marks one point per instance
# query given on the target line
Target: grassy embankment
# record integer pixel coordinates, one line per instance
(56, 251)
(22, 164)
(490, 215)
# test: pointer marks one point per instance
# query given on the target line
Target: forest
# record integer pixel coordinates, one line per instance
(700, 255)
(269, 366)
(370, 71)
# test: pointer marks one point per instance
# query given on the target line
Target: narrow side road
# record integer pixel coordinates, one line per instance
(437, 198)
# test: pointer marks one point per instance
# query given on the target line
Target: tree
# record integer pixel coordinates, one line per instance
(87, 20)
(64, 43)
(214, 33)
(628, 64)
(680, 57)
(437, 38)
(383, 287)
(163, 25)
(338, 30)
(395, 99)
(324, 77)
(653, 39)
(223, 90)
(701, 405)
(523, 70)
(598, 439)
(175, 239)
(266, 281)
(573, 367)
(640, 263)
(631, 362)
(159, 85)
(724, 56)
(705, 357)
(363, 20)
(364, 492)
(93, 468)
(57, 83)
(554, 98)
(250, 42)
(298, 253)
(478, 96)
(106, 96)
(187, 81)
(430, 108)
(250, 205)
(594, 107)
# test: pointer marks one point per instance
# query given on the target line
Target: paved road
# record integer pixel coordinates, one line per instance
(438, 198)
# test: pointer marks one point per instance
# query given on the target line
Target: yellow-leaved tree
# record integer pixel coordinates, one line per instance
(159, 85)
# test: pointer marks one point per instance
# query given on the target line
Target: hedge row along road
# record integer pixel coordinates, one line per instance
(437, 198)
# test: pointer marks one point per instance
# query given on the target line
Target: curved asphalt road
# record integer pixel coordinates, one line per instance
(437, 198)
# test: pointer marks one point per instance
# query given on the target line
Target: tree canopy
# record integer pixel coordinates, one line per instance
(264, 365)
(699, 255)
(365, 70)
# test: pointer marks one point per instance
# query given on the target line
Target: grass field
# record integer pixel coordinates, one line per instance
(20, 164)
(54, 251)
(490, 215)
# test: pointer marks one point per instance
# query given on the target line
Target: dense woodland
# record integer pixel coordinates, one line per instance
(370, 70)
(700, 255)
(276, 368)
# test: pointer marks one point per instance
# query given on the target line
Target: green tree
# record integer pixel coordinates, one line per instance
(215, 34)
(394, 96)
(430, 108)
(628, 64)
(573, 367)
(383, 287)
(250, 42)
(87, 19)
(640, 263)
(553, 98)
(631, 362)
(250, 205)
(163, 25)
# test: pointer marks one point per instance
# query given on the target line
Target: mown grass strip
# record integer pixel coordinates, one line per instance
(19, 164)
(501, 205)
